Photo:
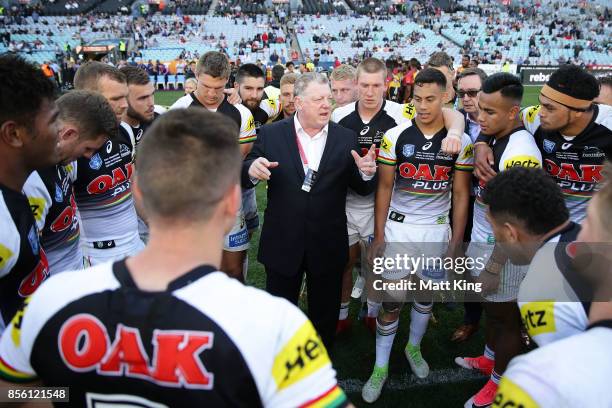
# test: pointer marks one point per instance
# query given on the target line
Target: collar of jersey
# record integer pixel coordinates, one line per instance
(376, 116)
(567, 228)
(124, 276)
(602, 323)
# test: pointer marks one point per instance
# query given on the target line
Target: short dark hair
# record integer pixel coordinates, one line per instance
(181, 146)
(290, 64)
(249, 71)
(430, 76)
(574, 81)
(605, 81)
(277, 72)
(530, 196)
(88, 75)
(90, 112)
(215, 64)
(472, 71)
(23, 89)
(509, 85)
(135, 75)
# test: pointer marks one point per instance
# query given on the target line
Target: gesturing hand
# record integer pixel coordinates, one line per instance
(259, 168)
(367, 163)
(233, 98)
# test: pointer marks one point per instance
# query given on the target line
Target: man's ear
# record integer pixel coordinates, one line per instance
(11, 134)
(68, 134)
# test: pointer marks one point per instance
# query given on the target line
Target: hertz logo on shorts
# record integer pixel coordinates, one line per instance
(303, 355)
(522, 161)
(510, 395)
(532, 113)
(409, 111)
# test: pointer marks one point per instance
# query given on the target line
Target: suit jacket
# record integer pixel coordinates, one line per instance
(298, 224)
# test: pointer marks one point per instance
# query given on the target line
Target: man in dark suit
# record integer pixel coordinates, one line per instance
(309, 163)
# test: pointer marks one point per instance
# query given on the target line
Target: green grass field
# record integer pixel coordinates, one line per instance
(447, 385)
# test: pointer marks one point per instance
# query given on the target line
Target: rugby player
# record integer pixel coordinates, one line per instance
(250, 82)
(370, 117)
(141, 112)
(499, 105)
(102, 189)
(575, 371)
(287, 83)
(413, 200)
(343, 86)
(166, 327)
(213, 72)
(527, 212)
(574, 136)
(86, 122)
(28, 142)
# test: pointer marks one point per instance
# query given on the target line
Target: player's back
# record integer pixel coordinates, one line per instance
(574, 372)
(554, 299)
(202, 342)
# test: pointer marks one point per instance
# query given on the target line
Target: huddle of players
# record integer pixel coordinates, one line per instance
(567, 134)
(88, 139)
(417, 185)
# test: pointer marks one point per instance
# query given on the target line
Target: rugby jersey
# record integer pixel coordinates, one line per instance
(516, 149)
(103, 192)
(51, 197)
(574, 162)
(238, 113)
(390, 115)
(205, 341)
(423, 177)
(23, 263)
(554, 299)
(573, 372)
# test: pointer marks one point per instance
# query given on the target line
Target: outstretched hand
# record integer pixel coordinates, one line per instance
(367, 163)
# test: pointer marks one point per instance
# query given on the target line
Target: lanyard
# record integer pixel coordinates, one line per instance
(301, 150)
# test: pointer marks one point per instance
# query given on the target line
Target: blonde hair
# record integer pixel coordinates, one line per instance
(371, 66)
(343, 72)
(288, 78)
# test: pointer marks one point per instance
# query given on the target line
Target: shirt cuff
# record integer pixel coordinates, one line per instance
(254, 180)
(365, 177)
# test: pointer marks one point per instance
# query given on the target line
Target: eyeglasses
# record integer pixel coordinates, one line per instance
(472, 93)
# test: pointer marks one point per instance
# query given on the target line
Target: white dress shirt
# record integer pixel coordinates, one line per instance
(312, 146)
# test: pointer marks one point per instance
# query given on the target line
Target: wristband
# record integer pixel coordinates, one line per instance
(480, 143)
(455, 135)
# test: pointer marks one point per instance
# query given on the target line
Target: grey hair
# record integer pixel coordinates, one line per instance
(306, 79)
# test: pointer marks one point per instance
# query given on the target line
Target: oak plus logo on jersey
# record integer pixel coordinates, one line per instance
(85, 345)
(586, 173)
(105, 182)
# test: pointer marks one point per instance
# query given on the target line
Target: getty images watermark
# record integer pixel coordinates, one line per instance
(433, 271)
